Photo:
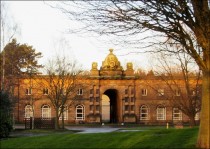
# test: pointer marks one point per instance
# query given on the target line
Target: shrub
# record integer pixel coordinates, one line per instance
(5, 115)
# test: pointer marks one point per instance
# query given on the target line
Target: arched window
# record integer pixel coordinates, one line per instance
(161, 113)
(28, 111)
(46, 111)
(177, 114)
(144, 112)
(65, 113)
(80, 112)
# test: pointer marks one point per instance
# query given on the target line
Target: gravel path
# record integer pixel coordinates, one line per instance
(102, 129)
(20, 130)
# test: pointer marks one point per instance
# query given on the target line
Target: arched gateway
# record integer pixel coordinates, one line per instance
(110, 106)
(111, 78)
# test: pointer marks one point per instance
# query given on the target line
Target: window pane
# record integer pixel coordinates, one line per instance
(97, 99)
(80, 112)
(126, 91)
(46, 111)
(79, 91)
(97, 108)
(144, 92)
(177, 114)
(161, 113)
(91, 99)
(144, 115)
(28, 111)
(132, 99)
(79, 115)
(126, 99)
(97, 91)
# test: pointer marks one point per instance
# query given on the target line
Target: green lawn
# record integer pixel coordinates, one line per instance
(154, 138)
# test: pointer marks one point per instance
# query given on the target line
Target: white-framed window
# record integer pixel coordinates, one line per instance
(65, 113)
(161, 113)
(80, 91)
(46, 111)
(28, 111)
(177, 114)
(144, 113)
(160, 92)
(80, 112)
(45, 91)
(177, 93)
(28, 91)
(144, 92)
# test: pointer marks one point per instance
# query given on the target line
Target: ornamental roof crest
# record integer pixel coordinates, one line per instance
(111, 62)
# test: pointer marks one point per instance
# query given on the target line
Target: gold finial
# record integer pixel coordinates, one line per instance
(129, 66)
(94, 65)
(111, 50)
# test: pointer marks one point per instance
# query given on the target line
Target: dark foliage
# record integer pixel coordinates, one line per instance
(5, 115)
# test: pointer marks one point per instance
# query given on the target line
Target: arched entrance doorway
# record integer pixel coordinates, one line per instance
(110, 106)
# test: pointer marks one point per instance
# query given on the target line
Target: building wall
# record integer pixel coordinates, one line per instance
(132, 94)
(129, 100)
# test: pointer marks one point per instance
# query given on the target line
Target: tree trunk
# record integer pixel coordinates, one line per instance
(56, 119)
(204, 129)
(62, 120)
(192, 121)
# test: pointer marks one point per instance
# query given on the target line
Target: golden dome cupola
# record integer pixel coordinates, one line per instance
(111, 68)
(111, 62)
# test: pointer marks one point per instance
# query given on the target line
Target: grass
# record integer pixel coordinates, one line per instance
(151, 138)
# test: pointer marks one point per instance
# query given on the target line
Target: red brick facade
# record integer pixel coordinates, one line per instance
(132, 99)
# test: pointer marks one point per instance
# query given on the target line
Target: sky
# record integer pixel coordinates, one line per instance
(45, 28)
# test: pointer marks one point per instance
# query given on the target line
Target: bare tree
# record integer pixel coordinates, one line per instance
(181, 22)
(62, 81)
(9, 28)
(183, 83)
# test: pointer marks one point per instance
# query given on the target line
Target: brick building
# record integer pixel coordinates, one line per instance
(110, 94)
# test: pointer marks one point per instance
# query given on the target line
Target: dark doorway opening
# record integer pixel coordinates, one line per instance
(112, 94)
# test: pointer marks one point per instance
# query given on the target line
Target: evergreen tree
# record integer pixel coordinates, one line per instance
(19, 59)
(5, 115)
